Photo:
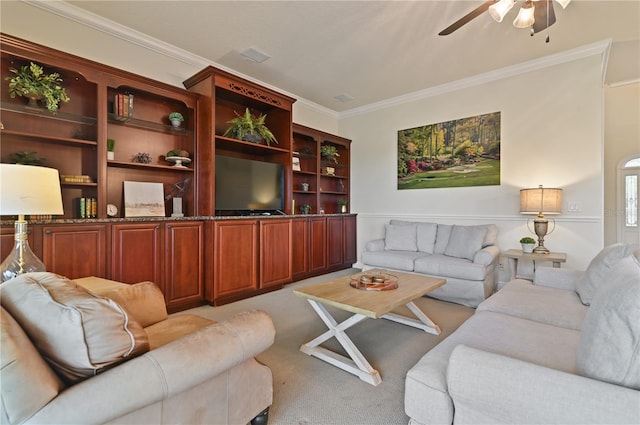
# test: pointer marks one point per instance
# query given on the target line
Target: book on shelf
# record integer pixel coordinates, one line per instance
(66, 178)
(123, 106)
(86, 207)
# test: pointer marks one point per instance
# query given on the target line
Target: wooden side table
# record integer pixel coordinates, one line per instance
(557, 258)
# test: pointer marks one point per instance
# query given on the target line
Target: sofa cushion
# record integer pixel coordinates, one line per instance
(491, 238)
(27, 381)
(609, 347)
(401, 237)
(449, 267)
(78, 333)
(552, 306)
(425, 233)
(399, 260)
(599, 268)
(175, 327)
(426, 392)
(442, 238)
(465, 241)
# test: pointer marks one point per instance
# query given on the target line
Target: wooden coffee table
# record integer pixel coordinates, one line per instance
(364, 304)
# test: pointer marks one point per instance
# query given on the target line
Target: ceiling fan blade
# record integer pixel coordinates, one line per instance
(467, 18)
(543, 20)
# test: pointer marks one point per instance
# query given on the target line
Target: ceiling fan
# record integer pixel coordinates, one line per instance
(536, 14)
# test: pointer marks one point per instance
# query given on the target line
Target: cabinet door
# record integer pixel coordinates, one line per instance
(183, 263)
(335, 242)
(136, 253)
(235, 257)
(275, 252)
(350, 255)
(299, 248)
(317, 244)
(75, 250)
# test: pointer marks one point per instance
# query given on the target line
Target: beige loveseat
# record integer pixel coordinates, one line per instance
(565, 349)
(466, 256)
(112, 355)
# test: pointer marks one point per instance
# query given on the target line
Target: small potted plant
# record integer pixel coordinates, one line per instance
(330, 152)
(343, 205)
(31, 82)
(176, 119)
(528, 243)
(250, 129)
(111, 145)
(26, 158)
(305, 208)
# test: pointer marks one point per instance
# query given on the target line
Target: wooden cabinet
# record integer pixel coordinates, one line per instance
(136, 252)
(275, 252)
(317, 245)
(299, 248)
(320, 182)
(235, 258)
(335, 242)
(309, 253)
(224, 97)
(169, 254)
(75, 250)
(74, 139)
(183, 283)
(350, 249)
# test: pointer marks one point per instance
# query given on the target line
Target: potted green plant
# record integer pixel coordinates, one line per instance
(176, 119)
(31, 82)
(249, 128)
(343, 205)
(111, 145)
(330, 152)
(305, 208)
(528, 243)
(26, 158)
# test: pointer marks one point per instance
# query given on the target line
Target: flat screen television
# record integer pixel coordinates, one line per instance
(245, 186)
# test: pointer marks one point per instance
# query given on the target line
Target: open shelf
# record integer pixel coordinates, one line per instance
(125, 164)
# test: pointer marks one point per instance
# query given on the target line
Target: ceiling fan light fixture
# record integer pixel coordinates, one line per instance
(564, 3)
(525, 16)
(499, 10)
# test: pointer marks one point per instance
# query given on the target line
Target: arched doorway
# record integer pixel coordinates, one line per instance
(627, 200)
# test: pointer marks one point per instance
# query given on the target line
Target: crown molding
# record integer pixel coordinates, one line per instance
(599, 48)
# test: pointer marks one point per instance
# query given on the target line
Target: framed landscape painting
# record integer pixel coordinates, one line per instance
(458, 153)
(143, 199)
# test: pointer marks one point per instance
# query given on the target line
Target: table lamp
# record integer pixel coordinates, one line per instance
(541, 201)
(26, 189)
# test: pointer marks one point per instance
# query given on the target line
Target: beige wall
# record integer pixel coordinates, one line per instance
(552, 128)
(622, 141)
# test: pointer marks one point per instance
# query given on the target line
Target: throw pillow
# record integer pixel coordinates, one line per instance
(599, 269)
(78, 333)
(427, 237)
(400, 237)
(465, 241)
(491, 238)
(442, 238)
(609, 348)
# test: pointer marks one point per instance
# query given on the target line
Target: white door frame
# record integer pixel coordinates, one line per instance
(621, 173)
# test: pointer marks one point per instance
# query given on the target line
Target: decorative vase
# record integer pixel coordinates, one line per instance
(33, 100)
(111, 155)
(176, 123)
(527, 248)
(343, 208)
(254, 137)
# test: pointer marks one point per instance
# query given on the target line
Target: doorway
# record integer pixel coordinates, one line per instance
(628, 189)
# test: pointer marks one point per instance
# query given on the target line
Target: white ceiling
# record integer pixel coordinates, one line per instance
(372, 50)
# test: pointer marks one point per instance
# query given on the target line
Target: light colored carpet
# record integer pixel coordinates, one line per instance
(308, 390)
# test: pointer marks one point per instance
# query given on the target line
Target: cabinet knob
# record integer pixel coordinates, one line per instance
(48, 232)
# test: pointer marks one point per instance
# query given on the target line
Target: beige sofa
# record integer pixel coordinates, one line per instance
(565, 349)
(466, 256)
(111, 354)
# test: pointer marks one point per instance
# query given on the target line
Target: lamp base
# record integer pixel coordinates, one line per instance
(21, 259)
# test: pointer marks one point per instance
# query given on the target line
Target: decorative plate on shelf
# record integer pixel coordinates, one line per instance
(178, 161)
(373, 281)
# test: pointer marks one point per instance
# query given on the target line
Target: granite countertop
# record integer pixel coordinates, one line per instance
(154, 219)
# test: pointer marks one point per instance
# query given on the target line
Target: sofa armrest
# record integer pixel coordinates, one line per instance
(557, 278)
(375, 245)
(487, 255)
(491, 388)
(163, 372)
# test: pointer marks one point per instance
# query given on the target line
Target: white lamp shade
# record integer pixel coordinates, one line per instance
(541, 201)
(500, 9)
(26, 189)
(526, 16)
